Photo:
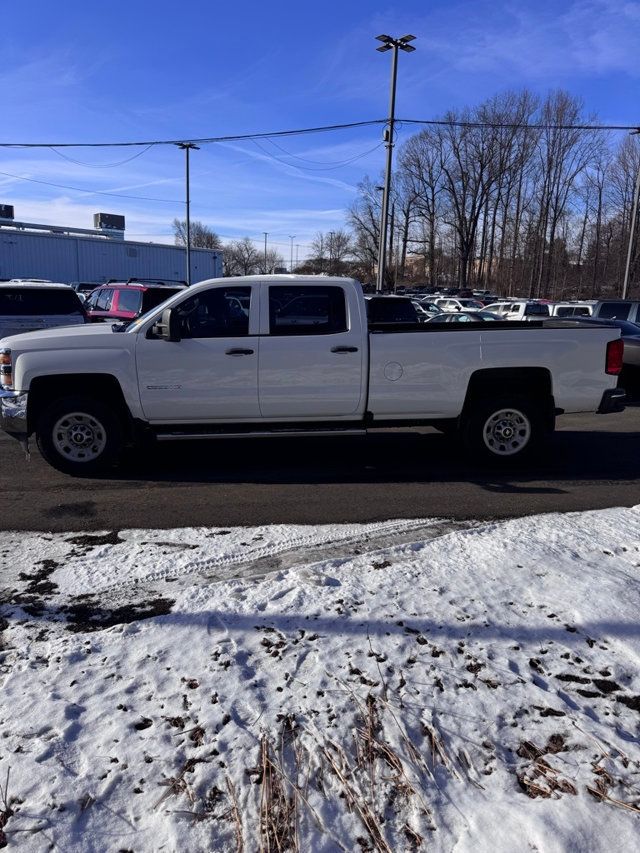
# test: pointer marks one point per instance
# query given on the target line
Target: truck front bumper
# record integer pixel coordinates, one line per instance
(613, 400)
(13, 413)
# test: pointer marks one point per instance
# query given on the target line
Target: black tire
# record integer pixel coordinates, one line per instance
(80, 436)
(507, 429)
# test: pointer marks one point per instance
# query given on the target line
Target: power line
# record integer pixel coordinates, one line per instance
(201, 141)
(92, 192)
(516, 125)
(321, 129)
(100, 165)
(321, 164)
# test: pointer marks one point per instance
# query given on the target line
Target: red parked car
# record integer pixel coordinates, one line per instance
(125, 301)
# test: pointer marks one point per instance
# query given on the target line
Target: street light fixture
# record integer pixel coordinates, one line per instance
(186, 147)
(389, 43)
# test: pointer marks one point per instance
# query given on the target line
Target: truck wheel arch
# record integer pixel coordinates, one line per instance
(526, 391)
(531, 382)
(103, 387)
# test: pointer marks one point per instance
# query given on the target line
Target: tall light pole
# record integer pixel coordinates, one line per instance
(389, 43)
(331, 233)
(266, 234)
(292, 237)
(187, 146)
(632, 231)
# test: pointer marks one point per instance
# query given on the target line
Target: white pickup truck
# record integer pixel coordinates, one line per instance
(295, 355)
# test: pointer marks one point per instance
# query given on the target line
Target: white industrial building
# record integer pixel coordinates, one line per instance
(58, 253)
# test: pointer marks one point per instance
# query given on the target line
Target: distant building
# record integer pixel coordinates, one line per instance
(57, 253)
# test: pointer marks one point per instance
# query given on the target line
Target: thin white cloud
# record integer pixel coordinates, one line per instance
(583, 37)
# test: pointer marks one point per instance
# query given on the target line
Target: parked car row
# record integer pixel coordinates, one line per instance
(30, 304)
(404, 311)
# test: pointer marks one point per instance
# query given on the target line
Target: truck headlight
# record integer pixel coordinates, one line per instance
(6, 369)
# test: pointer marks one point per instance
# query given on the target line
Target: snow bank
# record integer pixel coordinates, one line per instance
(477, 691)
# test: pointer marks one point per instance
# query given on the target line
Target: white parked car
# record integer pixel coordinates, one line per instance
(571, 309)
(453, 304)
(520, 309)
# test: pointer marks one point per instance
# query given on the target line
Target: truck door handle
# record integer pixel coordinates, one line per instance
(239, 352)
(344, 349)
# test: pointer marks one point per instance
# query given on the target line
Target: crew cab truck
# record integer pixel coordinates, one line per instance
(295, 355)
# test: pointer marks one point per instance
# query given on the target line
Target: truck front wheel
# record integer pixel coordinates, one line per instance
(80, 436)
(508, 429)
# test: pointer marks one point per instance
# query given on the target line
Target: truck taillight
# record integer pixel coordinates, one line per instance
(613, 364)
(6, 369)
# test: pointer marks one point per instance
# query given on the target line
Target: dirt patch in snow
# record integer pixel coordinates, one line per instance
(93, 616)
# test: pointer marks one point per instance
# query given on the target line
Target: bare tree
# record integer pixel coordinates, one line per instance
(564, 154)
(202, 237)
(364, 219)
(242, 258)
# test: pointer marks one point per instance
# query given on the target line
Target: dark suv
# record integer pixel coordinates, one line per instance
(125, 301)
(617, 309)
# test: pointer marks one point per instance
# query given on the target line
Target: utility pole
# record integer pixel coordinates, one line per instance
(331, 233)
(266, 234)
(186, 147)
(632, 231)
(292, 237)
(389, 43)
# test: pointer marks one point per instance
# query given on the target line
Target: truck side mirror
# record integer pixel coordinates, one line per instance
(169, 326)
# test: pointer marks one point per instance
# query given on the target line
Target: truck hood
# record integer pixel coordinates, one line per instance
(88, 335)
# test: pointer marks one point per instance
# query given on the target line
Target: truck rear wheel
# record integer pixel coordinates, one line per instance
(80, 436)
(507, 429)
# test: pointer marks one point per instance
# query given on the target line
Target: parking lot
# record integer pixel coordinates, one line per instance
(592, 463)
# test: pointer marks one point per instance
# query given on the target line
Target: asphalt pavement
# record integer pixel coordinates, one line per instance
(592, 462)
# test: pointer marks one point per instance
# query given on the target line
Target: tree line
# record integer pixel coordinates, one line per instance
(519, 195)
(508, 196)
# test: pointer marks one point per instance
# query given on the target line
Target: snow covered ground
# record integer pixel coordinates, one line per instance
(400, 686)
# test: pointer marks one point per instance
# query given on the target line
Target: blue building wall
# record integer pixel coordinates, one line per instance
(66, 258)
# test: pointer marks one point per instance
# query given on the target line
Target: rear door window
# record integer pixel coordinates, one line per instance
(615, 310)
(536, 308)
(34, 301)
(129, 300)
(306, 310)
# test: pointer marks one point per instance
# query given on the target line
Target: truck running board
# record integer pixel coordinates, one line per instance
(297, 433)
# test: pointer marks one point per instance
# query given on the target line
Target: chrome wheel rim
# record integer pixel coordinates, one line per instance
(79, 437)
(506, 432)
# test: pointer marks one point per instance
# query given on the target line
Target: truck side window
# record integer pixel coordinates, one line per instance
(221, 312)
(300, 310)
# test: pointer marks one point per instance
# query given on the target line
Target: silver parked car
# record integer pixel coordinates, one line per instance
(465, 317)
(629, 332)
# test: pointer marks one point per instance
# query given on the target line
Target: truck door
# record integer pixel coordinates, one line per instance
(311, 353)
(211, 373)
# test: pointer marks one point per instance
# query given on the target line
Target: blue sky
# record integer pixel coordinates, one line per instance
(81, 72)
